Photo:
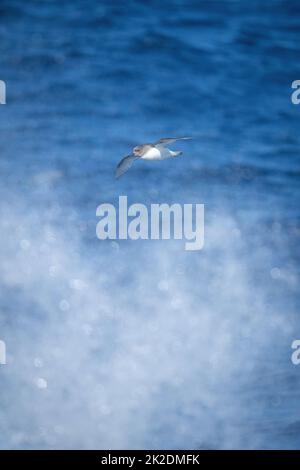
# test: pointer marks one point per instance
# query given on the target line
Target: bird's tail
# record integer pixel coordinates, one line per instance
(176, 154)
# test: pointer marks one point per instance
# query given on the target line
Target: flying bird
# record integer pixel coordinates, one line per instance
(156, 151)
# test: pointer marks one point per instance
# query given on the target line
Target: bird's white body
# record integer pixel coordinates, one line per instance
(158, 153)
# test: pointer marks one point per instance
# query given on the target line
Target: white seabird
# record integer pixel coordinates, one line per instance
(156, 151)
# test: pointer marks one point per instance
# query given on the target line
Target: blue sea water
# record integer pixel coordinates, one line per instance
(134, 344)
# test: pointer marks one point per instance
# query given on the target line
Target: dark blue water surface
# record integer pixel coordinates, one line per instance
(132, 344)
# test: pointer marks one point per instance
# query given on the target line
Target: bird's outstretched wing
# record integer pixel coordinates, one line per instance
(124, 165)
(169, 140)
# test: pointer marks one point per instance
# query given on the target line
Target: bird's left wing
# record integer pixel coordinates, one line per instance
(169, 140)
(124, 165)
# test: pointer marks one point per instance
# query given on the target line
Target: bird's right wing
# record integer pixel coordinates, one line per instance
(124, 165)
(169, 140)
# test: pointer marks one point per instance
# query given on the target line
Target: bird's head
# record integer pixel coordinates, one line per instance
(138, 150)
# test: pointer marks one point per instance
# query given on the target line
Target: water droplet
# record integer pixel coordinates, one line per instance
(38, 362)
(64, 305)
(41, 383)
